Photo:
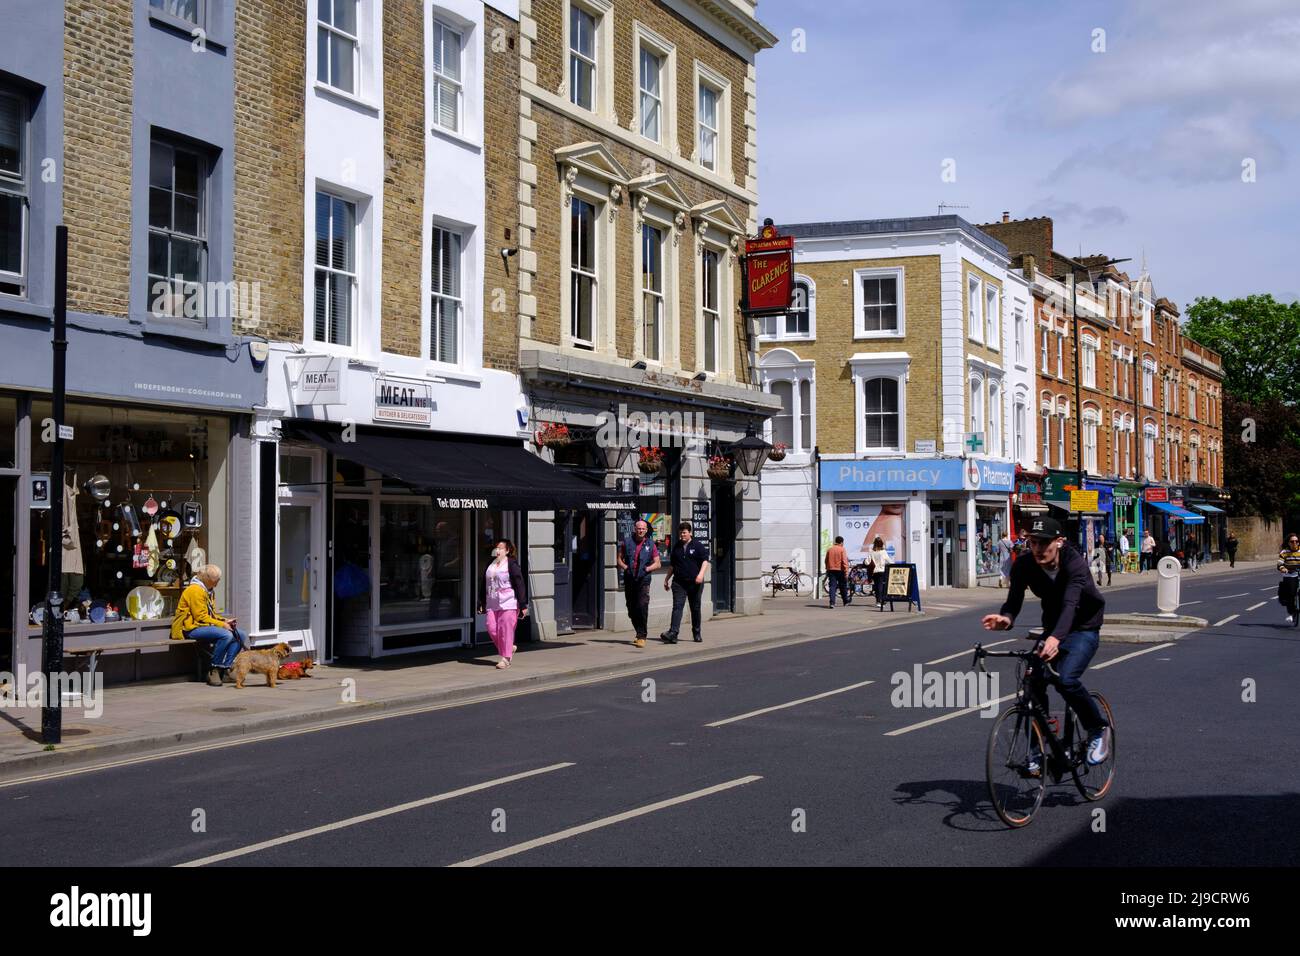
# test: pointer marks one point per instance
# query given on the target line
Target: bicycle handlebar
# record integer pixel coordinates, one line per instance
(981, 653)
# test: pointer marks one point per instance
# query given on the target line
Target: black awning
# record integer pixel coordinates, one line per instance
(465, 472)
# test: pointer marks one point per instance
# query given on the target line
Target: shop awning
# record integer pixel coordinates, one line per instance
(1209, 509)
(1187, 517)
(464, 472)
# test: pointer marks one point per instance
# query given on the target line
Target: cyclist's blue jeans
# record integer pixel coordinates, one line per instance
(1075, 653)
(225, 644)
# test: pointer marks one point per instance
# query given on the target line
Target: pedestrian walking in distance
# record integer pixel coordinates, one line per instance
(879, 569)
(505, 599)
(1109, 553)
(638, 559)
(1149, 552)
(688, 563)
(1123, 552)
(1232, 550)
(837, 566)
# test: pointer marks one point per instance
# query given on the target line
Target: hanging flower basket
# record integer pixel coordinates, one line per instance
(553, 435)
(778, 452)
(720, 467)
(650, 459)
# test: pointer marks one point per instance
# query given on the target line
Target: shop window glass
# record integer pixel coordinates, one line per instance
(990, 526)
(150, 528)
(657, 500)
(421, 569)
(295, 471)
(349, 474)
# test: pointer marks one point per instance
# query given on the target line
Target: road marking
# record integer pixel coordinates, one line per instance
(604, 822)
(1253, 606)
(1264, 590)
(375, 815)
(1125, 657)
(1226, 620)
(1189, 603)
(952, 657)
(793, 703)
(1242, 594)
(970, 710)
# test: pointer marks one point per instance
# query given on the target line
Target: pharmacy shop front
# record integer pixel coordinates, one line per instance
(944, 515)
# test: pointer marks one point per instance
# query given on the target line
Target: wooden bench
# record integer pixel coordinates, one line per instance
(82, 653)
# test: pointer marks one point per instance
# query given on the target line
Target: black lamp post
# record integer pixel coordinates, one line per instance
(750, 452)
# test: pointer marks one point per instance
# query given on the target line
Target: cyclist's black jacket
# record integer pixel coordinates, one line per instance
(1072, 599)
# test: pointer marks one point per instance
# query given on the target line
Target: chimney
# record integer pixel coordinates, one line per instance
(1006, 216)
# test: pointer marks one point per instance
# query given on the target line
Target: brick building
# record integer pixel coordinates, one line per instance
(1150, 402)
(637, 182)
(905, 380)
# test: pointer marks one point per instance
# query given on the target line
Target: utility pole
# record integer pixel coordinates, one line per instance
(52, 636)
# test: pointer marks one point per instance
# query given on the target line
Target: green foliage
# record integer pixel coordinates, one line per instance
(1259, 340)
(1264, 474)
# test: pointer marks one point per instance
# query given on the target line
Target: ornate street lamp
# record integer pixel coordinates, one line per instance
(750, 453)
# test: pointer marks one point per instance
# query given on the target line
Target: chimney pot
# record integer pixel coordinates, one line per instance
(1006, 217)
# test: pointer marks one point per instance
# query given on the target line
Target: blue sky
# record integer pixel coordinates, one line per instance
(1135, 150)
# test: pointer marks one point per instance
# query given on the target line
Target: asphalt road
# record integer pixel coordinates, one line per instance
(598, 775)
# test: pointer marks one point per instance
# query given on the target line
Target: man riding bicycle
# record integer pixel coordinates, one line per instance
(1073, 609)
(1288, 564)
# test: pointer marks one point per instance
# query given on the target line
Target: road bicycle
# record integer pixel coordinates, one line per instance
(859, 581)
(786, 578)
(1024, 733)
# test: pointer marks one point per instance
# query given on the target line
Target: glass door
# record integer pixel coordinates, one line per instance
(942, 548)
(300, 573)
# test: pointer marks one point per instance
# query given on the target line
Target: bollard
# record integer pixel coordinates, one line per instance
(1168, 584)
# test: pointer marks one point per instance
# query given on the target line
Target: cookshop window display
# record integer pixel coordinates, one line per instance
(143, 508)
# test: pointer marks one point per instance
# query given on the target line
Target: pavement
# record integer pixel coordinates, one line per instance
(162, 717)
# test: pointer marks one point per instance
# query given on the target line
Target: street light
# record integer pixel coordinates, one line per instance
(750, 452)
(614, 454)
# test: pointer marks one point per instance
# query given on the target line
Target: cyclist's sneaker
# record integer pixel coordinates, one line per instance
(1099, 746)
(1287, 619)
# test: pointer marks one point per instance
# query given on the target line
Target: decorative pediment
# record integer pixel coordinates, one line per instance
(595, 160)
(716, 214)
(660, 188)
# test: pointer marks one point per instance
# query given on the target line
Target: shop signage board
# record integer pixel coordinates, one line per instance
(1083, 501)
(318, 380)
(403, 401)
(918, 474)
(924, 446)
(902, 585)
(769, 273)
(1157, 494)
(700, 521)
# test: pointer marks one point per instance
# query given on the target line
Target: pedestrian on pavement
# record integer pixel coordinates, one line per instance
(1108, 550)
(688, 562)
(1005, 550)
(1148, 551)
(1123, 552)
(837, 567)
(1232, 549)
(879, 569)
(196, 619)
(506, 599)
(1097, 562)
(638, 559)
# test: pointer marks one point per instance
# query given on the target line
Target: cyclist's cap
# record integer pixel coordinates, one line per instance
(1044, 528)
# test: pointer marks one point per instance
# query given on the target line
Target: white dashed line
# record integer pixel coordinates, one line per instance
(1226, 620)
(1253, 606)
(793, 703)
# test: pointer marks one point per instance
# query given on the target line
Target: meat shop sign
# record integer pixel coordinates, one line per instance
(769, 278)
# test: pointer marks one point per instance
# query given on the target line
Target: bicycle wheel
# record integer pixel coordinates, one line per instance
(802, 580)
(1015, 794)
(769, 581)
(1094, 782)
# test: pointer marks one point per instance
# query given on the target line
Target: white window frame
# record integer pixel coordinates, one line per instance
(1046, 362)
(440, 81)
(1020, 423)
(1091, 419)
(646, 39)
(976, 415)
(705, 327)
(1089, 349)
(863, 367)
(1045, 413)
(1060, 355)
(704, 76)
(20, 187)
(859, 303)
(358, 72)
(356, 276)
(666, 293)
(974, 307)
(602, 95)
(992, 316)
(162, 10)
(1150, 433)
(773, 328)
(1194, 458)
(1060, 439)
(593, 274)
(1149, 370)
(994, 417)
(456, 299)
(783, 365)
(1019, 321)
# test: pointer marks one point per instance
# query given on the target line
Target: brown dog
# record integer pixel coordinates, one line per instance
(261, 661)
(295, 670)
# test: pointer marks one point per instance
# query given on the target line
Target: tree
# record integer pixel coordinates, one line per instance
(1259, 341)
(1263, 473)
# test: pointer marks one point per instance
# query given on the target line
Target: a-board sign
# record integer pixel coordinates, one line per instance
(902, 585)
(700, 521)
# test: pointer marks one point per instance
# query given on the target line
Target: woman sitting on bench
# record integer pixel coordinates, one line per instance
(197, 620)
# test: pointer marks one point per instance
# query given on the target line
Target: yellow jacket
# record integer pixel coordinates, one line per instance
(195, 609)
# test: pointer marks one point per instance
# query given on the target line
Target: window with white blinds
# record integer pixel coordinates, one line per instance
(447, 45)
(446, 307)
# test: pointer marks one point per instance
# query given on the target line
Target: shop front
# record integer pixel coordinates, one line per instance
(1175, 527)
(1087, 522)
(1126, 518)
(381, 498)
(1210, 502)
(1028, 500)
(945, 515)
(152, 429)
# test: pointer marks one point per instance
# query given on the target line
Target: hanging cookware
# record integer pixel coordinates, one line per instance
(150, 507)
(169, 524)
(192, 514)
(99, 487)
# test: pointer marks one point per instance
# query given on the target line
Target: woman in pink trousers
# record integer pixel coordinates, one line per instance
(507, 599)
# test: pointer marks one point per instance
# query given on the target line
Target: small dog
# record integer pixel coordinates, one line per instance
(263, 662)
(295, 670)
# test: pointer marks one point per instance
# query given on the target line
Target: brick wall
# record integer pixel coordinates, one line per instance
(404, 168)
(501, 156)
(98, 72)
(836, 402)
(270, 91)
(1031, 236)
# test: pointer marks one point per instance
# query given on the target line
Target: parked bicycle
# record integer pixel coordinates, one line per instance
(1024, 748)
(859, 580)
(786, 578)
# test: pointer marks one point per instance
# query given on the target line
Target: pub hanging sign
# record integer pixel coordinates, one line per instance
(769, 272)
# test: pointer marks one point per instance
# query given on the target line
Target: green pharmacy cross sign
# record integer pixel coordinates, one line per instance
(975, 442)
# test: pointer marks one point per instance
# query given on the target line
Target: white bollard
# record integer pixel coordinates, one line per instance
(1169, 574)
